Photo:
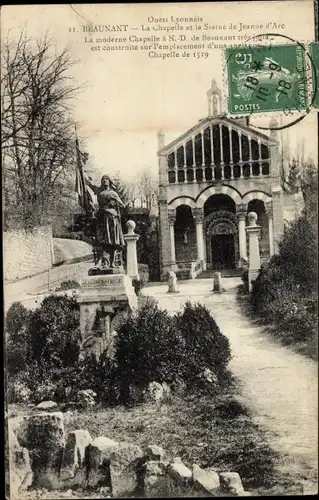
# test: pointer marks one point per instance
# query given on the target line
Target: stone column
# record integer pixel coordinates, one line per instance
(241, 212)
(278, 215)
(274, 149)
(198, 214)
(131, 257)
(269, 213)
(171, 222)
(253, 232)
(162, 208)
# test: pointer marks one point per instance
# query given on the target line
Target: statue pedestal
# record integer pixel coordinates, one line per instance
(103, 299)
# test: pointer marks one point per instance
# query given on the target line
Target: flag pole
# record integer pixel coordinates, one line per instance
(85, 208)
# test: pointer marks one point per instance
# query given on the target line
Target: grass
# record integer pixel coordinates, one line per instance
(211, 431)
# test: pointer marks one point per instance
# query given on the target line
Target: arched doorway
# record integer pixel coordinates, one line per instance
(221, 240)
(185, 235)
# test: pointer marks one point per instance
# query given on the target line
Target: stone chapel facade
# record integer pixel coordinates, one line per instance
(210, 178)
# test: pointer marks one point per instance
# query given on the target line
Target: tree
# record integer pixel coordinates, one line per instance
(37, 129)
(141, 191)
(147, 187)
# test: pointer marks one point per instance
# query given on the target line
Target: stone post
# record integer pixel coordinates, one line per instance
(131, 257)
(253, 232)
(241, 212)
(269, 213)
(171, 222)
(198, 214)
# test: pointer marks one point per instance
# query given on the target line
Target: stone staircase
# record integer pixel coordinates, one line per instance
(226, 273)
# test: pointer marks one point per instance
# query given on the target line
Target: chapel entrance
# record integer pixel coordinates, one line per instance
(223, 251)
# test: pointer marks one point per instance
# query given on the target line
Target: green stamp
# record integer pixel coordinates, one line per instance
(314, 54)
(267, 78)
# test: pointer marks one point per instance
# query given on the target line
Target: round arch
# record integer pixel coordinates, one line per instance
(183, 200)
(256, 195)
(207, 193)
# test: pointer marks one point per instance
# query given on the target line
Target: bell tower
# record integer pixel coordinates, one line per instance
(214, 98)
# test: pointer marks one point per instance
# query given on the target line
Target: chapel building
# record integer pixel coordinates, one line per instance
(210, 178)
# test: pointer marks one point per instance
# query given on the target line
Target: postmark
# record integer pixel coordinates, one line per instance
(268, 76)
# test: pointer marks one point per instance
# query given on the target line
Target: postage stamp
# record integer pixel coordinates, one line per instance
(267, 78)
(314, 54)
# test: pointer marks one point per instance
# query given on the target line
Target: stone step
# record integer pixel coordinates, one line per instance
(226, 273)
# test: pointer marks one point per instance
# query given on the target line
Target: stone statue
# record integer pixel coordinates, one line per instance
(106, 229)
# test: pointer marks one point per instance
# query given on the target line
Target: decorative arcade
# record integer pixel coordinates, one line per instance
(210, 178)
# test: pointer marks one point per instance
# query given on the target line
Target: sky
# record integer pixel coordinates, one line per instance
(127, 96)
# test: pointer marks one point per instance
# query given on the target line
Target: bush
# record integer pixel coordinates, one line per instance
(285, 289)
(155, 346)
(148, 348)
(205, 345)
(16, 337)
(54, 331)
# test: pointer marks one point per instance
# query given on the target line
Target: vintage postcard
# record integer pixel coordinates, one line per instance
(160, 184)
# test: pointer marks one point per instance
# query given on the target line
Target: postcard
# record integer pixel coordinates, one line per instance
(160, 183)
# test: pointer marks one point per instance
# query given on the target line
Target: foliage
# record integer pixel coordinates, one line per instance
(148, 348)
(205, 346)
(37, 130)
(284, 292)
(54, 331)
(16, 337)
(150, 345)
(156, 346)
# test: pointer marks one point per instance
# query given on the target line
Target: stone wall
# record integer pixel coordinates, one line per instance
(27, 253)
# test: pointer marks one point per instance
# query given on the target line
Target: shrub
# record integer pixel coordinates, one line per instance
(54, 331)
(205, 345)
(16, 322)
(285, 289)
(148, 348)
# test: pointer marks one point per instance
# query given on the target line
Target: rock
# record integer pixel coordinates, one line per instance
(155, 480)
(180, 473)
(205, 480)
(46, 405)
(154, 452)
(230, 482)
(19, 466)
(125, 469)
(97, 461)
(74, 453)
(154, 392)
(44, 436)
